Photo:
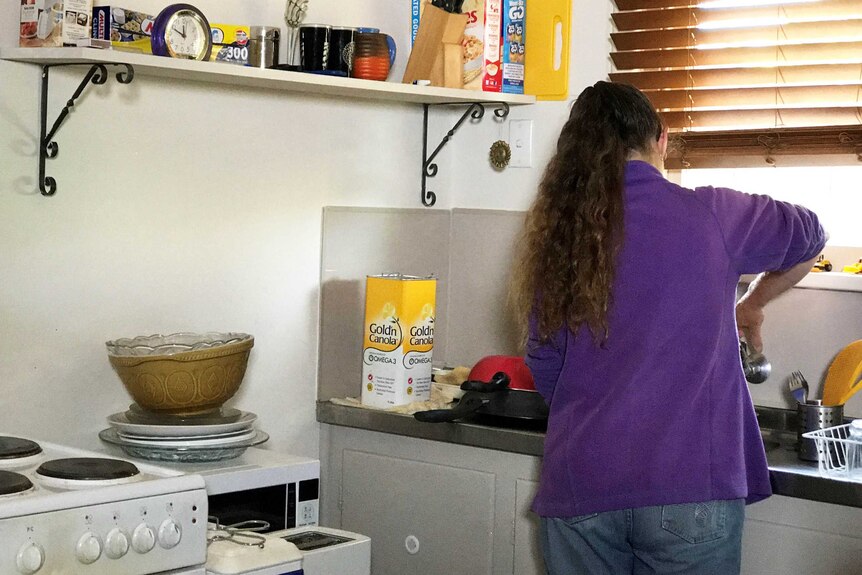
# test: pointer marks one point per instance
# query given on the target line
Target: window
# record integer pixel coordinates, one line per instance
(746, 77)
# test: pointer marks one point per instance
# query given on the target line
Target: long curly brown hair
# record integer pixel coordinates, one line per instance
(573, 232)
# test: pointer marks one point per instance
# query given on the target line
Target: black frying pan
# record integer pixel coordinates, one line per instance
(493, 403)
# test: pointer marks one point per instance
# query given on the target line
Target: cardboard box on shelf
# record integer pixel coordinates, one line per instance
(474, 44)
(124, 29)
(493, 44)
(492, 75)
(513, 46)
(52, 23)
(231, 44)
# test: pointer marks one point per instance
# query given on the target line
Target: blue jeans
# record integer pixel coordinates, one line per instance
(689, 538)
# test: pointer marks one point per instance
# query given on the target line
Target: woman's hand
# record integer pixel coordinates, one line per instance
(749, 319)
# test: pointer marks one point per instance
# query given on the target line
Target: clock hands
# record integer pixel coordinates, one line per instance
(181, 32)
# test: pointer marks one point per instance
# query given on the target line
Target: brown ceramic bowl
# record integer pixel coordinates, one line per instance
(181, 373)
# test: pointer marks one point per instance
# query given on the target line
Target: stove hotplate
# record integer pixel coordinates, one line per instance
(66, 510)
(16, 448)
(12, 483)
(88, 469)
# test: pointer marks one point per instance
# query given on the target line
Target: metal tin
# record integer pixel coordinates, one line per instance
(263, 46)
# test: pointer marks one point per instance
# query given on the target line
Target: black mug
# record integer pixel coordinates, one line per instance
(314, 47)
(341, 50)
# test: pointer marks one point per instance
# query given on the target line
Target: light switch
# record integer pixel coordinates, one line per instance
(521, 143)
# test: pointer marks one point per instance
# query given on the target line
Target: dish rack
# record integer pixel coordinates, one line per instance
(839, 452)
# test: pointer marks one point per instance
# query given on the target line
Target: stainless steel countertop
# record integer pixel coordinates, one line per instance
(790, 476)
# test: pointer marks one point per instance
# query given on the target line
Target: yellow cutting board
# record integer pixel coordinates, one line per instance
(546, 70)
(843, 372)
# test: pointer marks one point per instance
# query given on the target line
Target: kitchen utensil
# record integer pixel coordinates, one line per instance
(451, 6)
(493, 403)
(546, 72)
(857, 385)
(843, 372)
(314, 47)
(798, 387)
(373, 56)
(122, 423)
(183, 453)
(158, 438)
(236, 549)
(341, 48)
(294, 14)
(137, 414)
(754, 364)
(813, 416)
(198, 441)
(520, 376)
(181, 373)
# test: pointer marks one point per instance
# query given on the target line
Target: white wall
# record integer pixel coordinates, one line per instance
(185, 206)
(181, 206)
(475, 184)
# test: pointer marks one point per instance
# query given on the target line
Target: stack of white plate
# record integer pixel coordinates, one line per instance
(213, 436)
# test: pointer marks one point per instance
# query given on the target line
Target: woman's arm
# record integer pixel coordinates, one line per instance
(765, 288)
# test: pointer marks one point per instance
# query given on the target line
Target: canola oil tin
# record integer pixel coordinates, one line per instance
(399, 339)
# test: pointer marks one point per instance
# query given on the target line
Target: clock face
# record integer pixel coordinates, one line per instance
(187, 36)
(181, 31)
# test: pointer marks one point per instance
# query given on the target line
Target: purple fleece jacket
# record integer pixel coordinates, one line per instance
(662, 414)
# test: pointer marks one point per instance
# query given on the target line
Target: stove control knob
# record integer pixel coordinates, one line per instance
(143, 538)
(116, 543)
(30, 558)
(170, 534)
(89, 548)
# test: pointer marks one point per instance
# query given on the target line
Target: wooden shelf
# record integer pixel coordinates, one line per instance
(227, 74)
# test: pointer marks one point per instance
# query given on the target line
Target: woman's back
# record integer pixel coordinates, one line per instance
(659, 412)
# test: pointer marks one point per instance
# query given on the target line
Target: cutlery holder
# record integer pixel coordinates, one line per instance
(813, 417)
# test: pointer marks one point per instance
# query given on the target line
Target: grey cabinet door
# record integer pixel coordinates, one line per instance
(787, 535)
(422, 519)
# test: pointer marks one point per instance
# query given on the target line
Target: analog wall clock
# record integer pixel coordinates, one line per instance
(182, 31)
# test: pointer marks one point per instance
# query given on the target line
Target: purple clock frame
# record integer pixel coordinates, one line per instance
(160, 24)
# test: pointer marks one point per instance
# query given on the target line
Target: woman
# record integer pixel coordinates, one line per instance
(626, 286)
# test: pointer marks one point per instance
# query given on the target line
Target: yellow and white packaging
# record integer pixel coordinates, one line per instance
(473, 44)
(230, 43)
(399, 339)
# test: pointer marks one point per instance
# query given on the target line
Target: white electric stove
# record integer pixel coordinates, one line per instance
(65, 510)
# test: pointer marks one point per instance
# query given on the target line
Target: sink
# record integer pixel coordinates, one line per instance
(777, 428)
(769, 444)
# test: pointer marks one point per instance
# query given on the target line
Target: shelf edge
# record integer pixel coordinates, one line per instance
(298, 82)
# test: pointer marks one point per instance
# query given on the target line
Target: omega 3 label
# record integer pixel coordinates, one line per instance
(399, 339)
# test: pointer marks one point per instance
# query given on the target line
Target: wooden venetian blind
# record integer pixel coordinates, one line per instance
(781, 75)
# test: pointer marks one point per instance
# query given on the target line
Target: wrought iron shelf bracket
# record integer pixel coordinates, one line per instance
(48, 148)
(475, 111)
